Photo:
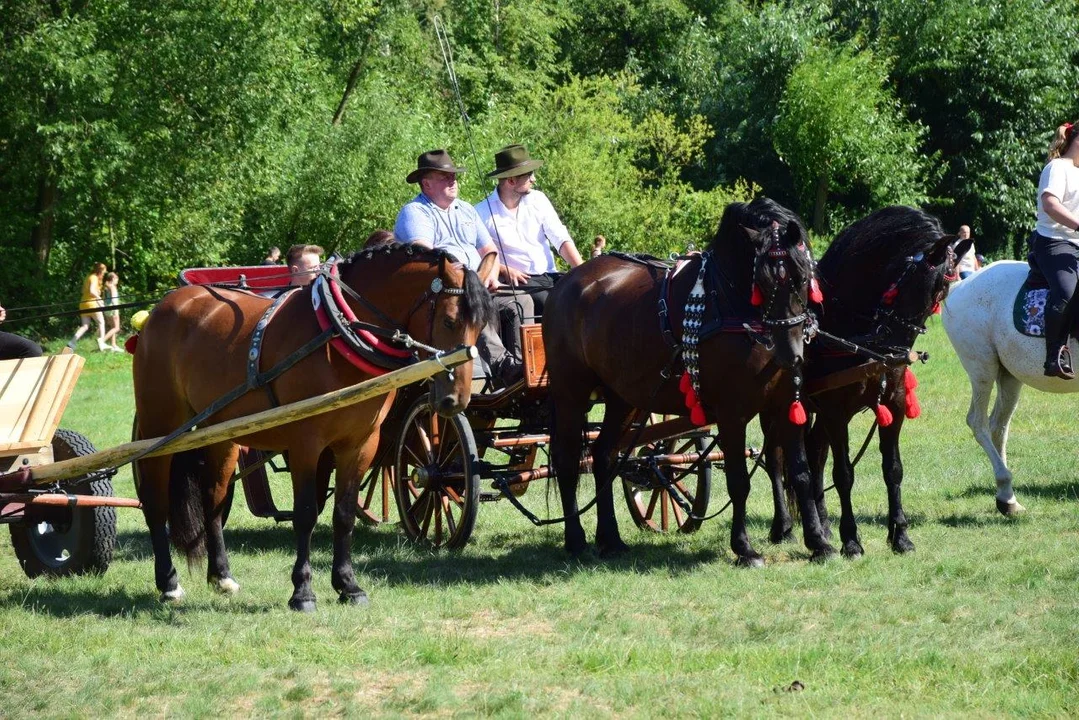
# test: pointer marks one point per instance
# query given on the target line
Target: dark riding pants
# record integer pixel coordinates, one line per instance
(13, 347)
(1058, 261)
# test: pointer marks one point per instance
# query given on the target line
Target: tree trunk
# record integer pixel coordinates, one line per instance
(820, 205)
(45, 211)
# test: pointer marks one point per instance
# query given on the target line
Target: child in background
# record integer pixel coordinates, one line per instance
(112, 317)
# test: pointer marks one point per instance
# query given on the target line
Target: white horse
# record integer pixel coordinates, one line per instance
(978, 320)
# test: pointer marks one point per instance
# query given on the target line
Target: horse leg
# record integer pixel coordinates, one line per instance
(843, 479)
(567, 441)
(817, 453)
(782, 525)
(797, 470)
(351, 466)
(733, 442)
(892, 467)
(153, 493)
(1008, 389)
(604, 451)
(981, 387)
(219, 464)
(304, 516)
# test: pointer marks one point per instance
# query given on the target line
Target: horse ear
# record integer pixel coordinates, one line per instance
(794, 233)
(963, 247)
(753, 234)
(939, 252)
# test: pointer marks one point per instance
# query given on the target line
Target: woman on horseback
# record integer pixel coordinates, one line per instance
(1055, 245)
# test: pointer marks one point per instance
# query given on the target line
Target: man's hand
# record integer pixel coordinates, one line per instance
(513, 276)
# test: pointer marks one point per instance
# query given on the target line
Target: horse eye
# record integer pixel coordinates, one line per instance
(449, 324)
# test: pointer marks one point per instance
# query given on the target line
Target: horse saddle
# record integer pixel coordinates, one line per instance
(1028, 310)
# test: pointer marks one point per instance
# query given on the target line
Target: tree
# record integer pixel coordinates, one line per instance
(839, 128)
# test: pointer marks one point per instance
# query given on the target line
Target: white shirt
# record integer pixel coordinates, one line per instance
(524, 238)
(1060, 178)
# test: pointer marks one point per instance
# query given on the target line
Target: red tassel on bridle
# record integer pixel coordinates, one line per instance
(884, 416)
(693, 402)
(815, 294)
(797, 413)
(756, 298)
(914, 408)
(889, 295)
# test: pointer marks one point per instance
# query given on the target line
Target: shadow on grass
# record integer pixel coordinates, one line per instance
(1063, 490)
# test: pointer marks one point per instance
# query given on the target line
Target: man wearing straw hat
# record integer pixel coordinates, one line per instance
(525, 224)
(436, 218)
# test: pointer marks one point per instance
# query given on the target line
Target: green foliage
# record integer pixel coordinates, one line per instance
(841, 131)
(156, 135)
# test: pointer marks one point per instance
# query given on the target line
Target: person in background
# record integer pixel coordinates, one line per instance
(273, 257)
(968, 264)
(91, 300)
(1055, 244)
(14, 347)
(436, 218)
(525, 225)
(303, 262)
(112, 315)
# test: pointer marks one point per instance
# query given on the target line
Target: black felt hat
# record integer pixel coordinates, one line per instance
(513, 160)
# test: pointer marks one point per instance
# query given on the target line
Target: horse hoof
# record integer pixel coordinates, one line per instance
(575, 550)
(749, 561)
(612, 550)
(1010, 508)
(225, 586)
(824, 554)
(852, 550)
(306, 605)
(172, 596)
(902, 545)
(359, 599)
(785, 536)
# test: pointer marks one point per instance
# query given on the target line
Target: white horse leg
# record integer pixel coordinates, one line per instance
(1008, 388)
(981, 388)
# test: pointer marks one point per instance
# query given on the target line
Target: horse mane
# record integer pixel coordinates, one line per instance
(870, 253)
(477, 306)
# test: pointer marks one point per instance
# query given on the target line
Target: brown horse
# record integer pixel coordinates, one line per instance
(601, 332)
(194, 349)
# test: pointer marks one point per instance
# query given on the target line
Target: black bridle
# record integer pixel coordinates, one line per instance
(781, 255)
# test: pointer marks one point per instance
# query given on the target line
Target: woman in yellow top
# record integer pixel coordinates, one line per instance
(90, 300)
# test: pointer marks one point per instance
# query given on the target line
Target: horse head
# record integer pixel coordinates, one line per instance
(783, 280)
(461, 308)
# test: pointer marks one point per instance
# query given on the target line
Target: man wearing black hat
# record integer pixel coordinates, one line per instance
(437, 218)
(525, 224)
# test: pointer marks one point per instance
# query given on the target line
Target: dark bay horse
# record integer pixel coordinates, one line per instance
(194, 349)
(602, 331)
(882, 277)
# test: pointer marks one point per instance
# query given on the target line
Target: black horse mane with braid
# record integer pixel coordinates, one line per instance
(477, 306)
(876, 248)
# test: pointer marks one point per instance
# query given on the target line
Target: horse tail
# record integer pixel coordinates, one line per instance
(187, 527)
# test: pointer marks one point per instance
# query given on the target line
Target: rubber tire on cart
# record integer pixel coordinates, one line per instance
(654, 509)
(436, 484)
(138, 479)
(62, 541)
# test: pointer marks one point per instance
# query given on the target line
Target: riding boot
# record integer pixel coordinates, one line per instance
(1057, 355)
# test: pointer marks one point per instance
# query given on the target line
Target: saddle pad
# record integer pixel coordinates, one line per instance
(1028, 312)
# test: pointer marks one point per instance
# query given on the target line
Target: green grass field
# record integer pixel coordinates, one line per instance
(982, 620)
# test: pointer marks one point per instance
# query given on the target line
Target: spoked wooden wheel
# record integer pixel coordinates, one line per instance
(374, 502)
(653, 508)
(436, 486)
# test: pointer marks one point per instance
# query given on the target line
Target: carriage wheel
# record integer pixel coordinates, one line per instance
(374, 501)
(67, 541)
(654, 509)
(437, 488)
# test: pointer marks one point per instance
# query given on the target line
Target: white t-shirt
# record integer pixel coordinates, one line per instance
(1060, 178)
(526, 236)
